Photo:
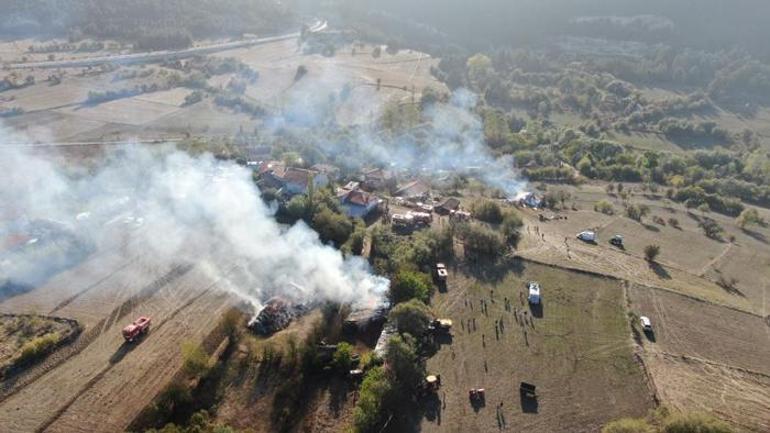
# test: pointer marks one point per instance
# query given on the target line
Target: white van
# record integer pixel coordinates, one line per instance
(534, 292)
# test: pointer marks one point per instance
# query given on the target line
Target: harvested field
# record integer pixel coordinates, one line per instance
(130, 111)
(696, 329)
(577, 350)
(735, 395)
(88, 389)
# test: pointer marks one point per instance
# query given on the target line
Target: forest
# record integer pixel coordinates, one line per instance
(149, 24)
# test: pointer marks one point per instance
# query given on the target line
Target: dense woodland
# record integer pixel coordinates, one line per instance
(149, 24)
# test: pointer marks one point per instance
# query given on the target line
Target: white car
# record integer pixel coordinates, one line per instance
(534, 292)
(587, 236)
(646, 323)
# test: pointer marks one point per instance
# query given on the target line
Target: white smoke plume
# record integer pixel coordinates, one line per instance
(182, 208)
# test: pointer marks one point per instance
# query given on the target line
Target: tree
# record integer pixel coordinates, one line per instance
(479, 70)
(195, 360)
(510, 227)
(405, 365)
(407, 285)
(651, 252)
(748, 217)
(332, 226)
(375, 390)
(411, 317)
(711, 228)
(343, 357)
(488, 211)
(481, 241)
(604, 207)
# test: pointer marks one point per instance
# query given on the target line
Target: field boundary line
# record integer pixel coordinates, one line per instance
(646, 286)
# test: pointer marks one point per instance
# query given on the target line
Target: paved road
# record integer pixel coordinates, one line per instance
(154, 56)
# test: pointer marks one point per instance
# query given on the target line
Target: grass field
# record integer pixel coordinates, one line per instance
(577, 350)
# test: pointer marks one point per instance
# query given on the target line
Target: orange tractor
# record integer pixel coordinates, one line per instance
(138, 328)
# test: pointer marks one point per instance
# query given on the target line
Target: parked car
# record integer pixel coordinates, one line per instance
(646, 323)
(617, 241)
(534, 292)
(441, 271)
(587, 236)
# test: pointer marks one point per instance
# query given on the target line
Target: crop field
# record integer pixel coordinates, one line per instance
(577, 350)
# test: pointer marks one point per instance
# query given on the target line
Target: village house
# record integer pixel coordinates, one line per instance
(377, 179)
(414, 190)
(356, 203)
(290, 180)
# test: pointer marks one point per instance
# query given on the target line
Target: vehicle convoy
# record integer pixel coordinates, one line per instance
(534, 292)
(139, 327)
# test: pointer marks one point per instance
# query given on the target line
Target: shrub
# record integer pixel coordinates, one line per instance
(651, 252)
(488, 211)
(627, 425)
(604, 207)
(711, 228)
(407, 285)
(375, 388)
(343, 357)
(412, 317)
(195, 359)
(510, 227)
(673, 222)
(695, 423)
(38, 348)
(481, 241)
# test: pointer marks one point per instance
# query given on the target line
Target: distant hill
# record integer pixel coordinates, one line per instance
(170, 22)
(707, 24)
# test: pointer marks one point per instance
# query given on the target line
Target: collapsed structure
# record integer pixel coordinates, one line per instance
(276, 315)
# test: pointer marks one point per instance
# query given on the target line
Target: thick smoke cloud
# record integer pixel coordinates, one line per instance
(178, 208)
(449, 140)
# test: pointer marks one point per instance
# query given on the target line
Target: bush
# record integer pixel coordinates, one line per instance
(412, 317)
(481, 241)
(408, 285)
(627, 425)
(695, 423)
(195, 359)
(673, 222)
(510, 227)
(711, 228)
(604, 207)
(488, 211)
(375, 389)
(651, 252)
(343, 357)
(38, 348)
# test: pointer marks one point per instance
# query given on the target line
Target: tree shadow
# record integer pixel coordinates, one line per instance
(431, 408)
(650, 227)
(756, 235)
(659, 270)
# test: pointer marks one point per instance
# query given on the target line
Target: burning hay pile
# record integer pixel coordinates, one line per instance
(276, 315)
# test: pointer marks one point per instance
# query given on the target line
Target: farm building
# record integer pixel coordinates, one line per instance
(378, 179)
(416, 189)
(449, 206)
